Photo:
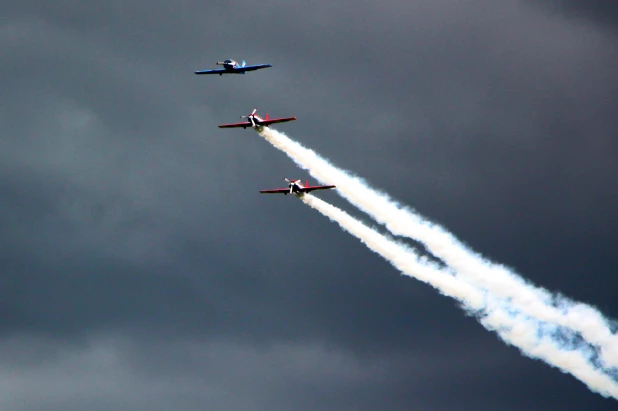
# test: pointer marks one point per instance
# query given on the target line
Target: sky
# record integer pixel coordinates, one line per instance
(141, 269)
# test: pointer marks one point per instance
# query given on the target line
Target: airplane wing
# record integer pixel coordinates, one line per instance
(309, 189)
(251, 68)
(244, 124)
(276, 191)
(217, 71)
(276, 120)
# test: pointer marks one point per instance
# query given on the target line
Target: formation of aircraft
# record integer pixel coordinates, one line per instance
(232, 67)
(296, 187)
(256, 121)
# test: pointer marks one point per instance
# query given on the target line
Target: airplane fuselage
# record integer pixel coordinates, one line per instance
(256, 121)
(232, 66)
(296, 187)
(228, 64)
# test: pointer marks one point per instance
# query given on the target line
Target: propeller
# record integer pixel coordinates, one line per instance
(249, 115)
(291, 184)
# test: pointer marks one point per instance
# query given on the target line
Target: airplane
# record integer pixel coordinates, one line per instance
(296, 187)
(232, 67)
(256, 121)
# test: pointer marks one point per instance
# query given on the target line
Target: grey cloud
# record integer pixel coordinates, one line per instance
(601, 12)
(128, 216)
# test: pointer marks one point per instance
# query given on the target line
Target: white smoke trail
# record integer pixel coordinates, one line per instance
(534, 301)
(513, 328)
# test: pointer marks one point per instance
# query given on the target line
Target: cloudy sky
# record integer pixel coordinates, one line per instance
(140, 268)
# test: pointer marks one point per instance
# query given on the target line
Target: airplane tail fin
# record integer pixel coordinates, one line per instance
(243, 64)
(306, 183)
(266, 117)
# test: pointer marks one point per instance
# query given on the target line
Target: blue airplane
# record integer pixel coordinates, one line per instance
(232, 67)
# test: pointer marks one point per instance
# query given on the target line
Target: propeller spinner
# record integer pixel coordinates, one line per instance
(251, 117)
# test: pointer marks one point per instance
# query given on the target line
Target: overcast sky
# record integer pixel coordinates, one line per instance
(140, 269)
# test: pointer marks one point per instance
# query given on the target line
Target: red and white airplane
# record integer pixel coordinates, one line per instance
(296, 187)
(256, 121)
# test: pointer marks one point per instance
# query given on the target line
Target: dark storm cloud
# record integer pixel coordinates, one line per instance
(140, 262)
(604, 12)
(221, 375)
